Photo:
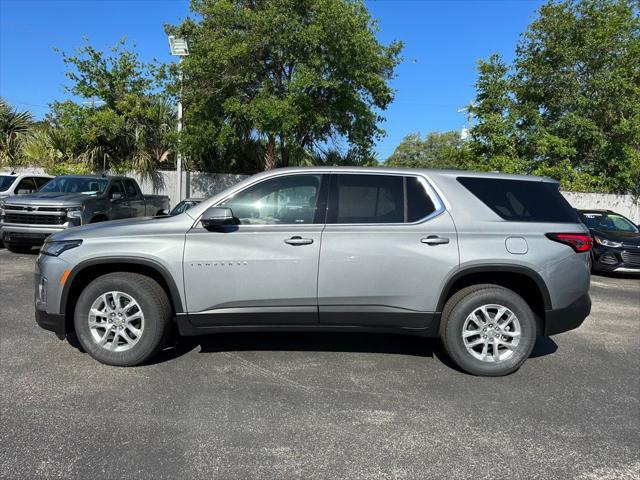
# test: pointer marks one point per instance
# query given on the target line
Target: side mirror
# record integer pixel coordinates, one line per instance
(214, 217)
(117, 196)
(165, 212)
(24, 191)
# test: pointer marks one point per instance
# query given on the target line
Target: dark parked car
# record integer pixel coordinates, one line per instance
(616, 241)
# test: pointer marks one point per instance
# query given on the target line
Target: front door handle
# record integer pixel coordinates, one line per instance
(299, 241)
(435, 240)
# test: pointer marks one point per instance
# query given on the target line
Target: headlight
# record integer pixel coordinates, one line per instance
(1, 208)
(75, 212)
(56, 248)
(607, 243)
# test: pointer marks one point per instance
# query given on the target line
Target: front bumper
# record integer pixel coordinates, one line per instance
(54, 322)
(616, 260)
(48, 288)
(568, 318)
(29, 234)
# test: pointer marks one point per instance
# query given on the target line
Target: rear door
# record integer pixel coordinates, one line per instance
(386, 250)
(263, 271)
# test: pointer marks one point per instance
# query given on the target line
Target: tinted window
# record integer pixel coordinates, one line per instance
(130, 186)
(368, 199)
(40, 181)
(419, 205)
(26, 183)
(183, 206)
(608, 221)
(379, 199)
(286, 200)
(522, 200)
(5, 182)
(116, 187)
(76, 185)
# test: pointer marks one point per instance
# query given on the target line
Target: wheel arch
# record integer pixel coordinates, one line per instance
(89, 270)
(522, 280)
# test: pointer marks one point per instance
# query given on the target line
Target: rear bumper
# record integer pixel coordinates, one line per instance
(564, 319)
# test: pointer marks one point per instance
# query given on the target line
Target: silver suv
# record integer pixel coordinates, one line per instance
(486, 262)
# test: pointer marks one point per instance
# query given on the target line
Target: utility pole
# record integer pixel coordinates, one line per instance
(465, 132)
(179, 48)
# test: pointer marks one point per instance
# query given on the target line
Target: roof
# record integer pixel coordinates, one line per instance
(412, 171)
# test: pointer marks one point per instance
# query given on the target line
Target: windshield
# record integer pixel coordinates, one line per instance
(608, 221)
(5, 182)
(75, 185)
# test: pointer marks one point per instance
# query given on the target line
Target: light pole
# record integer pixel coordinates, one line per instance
(179, 48)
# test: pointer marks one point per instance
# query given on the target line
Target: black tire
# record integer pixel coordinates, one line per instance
(462, 304)
(154, 304)
(17, 248)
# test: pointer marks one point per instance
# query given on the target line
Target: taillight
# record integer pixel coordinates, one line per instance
(580, 242)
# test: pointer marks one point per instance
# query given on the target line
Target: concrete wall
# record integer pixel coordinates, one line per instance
(199, 184)
(626, 205)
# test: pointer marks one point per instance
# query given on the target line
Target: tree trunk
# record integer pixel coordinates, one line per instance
(270, 156)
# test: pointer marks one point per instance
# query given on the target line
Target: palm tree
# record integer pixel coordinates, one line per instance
(13, 127)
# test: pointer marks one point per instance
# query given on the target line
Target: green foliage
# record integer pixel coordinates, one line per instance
(569, 105)
(14, 125)
(436, 150)
(269, 83)
(126, 122)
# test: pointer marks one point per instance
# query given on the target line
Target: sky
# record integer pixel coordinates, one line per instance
(444, 39)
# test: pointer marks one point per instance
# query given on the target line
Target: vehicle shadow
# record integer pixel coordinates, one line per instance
(324, 342)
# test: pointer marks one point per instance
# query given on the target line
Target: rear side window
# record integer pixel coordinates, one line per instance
(522, 200)
(359, 198)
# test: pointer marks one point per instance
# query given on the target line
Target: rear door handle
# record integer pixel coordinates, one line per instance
(435, 240)
(299, 241)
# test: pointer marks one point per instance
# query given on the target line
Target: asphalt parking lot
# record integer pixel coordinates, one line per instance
(319, 405)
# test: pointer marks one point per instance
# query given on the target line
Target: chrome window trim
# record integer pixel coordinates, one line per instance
(436, 198)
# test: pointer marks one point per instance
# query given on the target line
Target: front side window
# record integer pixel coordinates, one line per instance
(361, 198)
(40, 181)
(130, 186)
(116, 187)
(26, 183)
(287, 200)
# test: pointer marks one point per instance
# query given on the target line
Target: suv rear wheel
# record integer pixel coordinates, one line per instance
(488, 330)
(122, 319)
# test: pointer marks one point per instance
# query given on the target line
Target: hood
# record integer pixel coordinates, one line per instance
(628, 238)
(130, 227)
(51, 198)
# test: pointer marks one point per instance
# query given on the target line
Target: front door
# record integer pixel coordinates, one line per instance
(263, 271)
(387, 248)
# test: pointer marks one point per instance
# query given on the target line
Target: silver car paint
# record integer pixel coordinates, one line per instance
(374, 265)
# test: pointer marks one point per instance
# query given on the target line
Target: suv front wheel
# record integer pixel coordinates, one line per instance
(488, 330)
(122, 319)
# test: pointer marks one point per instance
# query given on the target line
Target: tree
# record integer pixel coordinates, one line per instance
(569, 105)
(436, 150)
(291, 75)
(126, 122)
(14, 125)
